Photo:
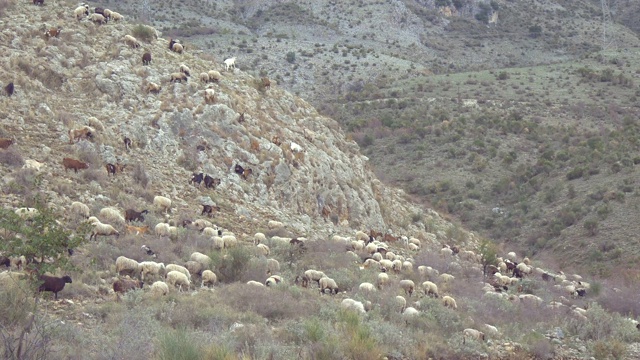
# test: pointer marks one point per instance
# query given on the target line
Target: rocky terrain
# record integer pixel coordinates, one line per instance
(89, 76)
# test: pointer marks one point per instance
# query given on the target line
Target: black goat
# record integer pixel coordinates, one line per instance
(54, 284)
(210, 182)
(132, 215)
(208, 209)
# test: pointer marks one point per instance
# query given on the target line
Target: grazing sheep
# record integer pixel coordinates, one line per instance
(214, 76)
(530, 299)
(400, 300)
(26, 213)
(410, 313)
(5, 143)
(162, 229)
(178, 77)
(472, 334)
(272, 266)
(446, 252)
(273, 280)
(121, 286)
(153, 88)
(98, 18)
(81, 11)
(408, 286)
(229, 241)
(102, 229)
(178, 268)
(80, 209)
(218, 242)
(201, 258)
(9, 89)
(209, 96)
(185, 69)
(54, 284)
(256, 283)
(386, 264)
(126, 266)
(350, 304)
(132, 215)
(76, 165)
(396, 265)
(259, 238)
(328, 283)
(449, 302)
(86, 132)
(211, 231)
(447, 278)
(383, 279)
(204, 77)
(264, 249)
(115, 16)
(230, 63)
(112, 214)
(430, 289)
(366, 286)
(146, 58)
(159, 288)
(194, 267)
(314, 275)
(209, 278)
(134, 43)
(151, 268)
(178, 279)
(162, 203)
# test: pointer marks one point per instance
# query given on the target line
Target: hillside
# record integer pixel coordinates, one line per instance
(391, 72)
(89, 76)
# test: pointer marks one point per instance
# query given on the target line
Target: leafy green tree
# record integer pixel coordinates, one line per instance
(489, 253)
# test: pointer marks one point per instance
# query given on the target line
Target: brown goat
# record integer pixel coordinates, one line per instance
(5, 143)
(53, 32)
(137, 229)
(83, 133)
(69, 163)
(266, 83)
(123, 285)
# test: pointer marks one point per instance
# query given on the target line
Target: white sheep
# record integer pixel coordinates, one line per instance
(410, 313)
(201, 258)
(107, 13)
(492, 330)
(350, 304)
(369, 263)
(376, 256)
(512, 256)
(128, 266)
(414, 247)
(185, 69)
(33, 164)
(273, 280)
(524, 268)
(230, 63)
(131, 41)
(275, 225)
(194, 267)
(408, 286)
(229, 241)
(162, 203)
(201, 224)
(390, 256)
(400, 300)
(210, 231)
(259, 238)
(447, 278)
(530, 299)
(407, 266)
(371, 248)
(178, 268)
(159, 288)
(26, 212)
(214, 76)
(98, 18)
(218, 243)
(314, 275)
(208, 278)
(112, 215)
(383, 279)
(366, 286)
(472, 334)
(430, 289)
(255, 283)
(360, 235)
(209, 96)
(204, 77)
(386, 264)
(449, 302)
(115, 16)
(81, 11)
(102, 229)
(151, 268)
(80, 209)
(264, 249)
(298, 149)
(446, 252)
(178, 279)
(396, 265)
(328, 283)
(273, 266)
(162, 229)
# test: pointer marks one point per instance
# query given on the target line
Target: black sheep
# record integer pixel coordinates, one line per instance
(132, 215)
(197, 178)
(9, 89)
(54, 284)
(210, 182)
(146, 58)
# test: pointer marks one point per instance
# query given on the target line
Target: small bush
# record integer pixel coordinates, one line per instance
(177, 345)
(143, 32)
(140, 175)
(11, 157)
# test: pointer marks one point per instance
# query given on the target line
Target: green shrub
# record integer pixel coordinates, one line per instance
(143, 32)
(177, 345)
